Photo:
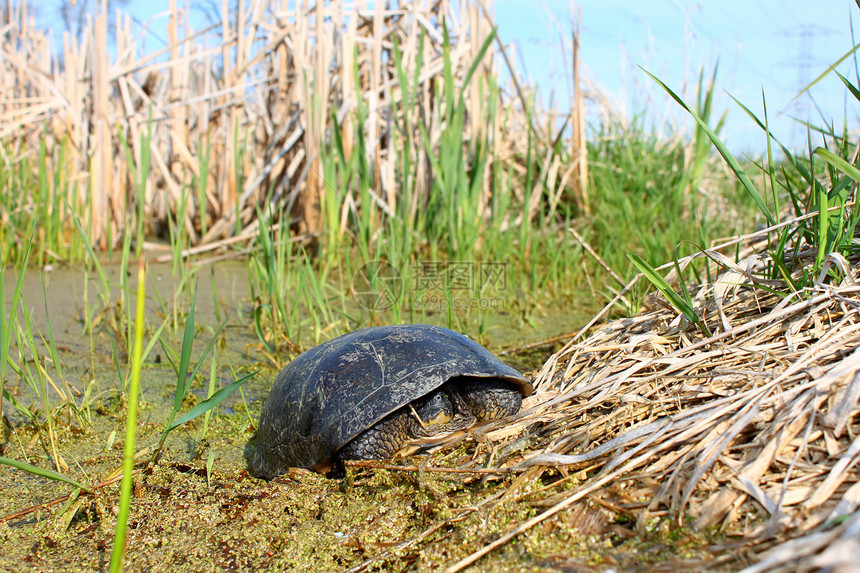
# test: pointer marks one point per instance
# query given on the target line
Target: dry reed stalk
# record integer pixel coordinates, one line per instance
(263, 82)
(578, 145)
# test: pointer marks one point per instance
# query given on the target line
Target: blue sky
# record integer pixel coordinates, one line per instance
(765, 45)
(770, 45)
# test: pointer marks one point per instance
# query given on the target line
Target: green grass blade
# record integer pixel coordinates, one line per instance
(131, 425)
(45, 473)
(52, 346)
(183, 382)
(804, 172)
(257, 319)
(182, 378)
(155, 338)
(839, 163)
(208, 349)
(105, 292)
(831, 67)
(851, 88)
(16, 295)
(213, 382)
(733, 163)
(18, 406)
(211, 402)
(5, 331)
(674, 298)
(478, 58)
(7, 322)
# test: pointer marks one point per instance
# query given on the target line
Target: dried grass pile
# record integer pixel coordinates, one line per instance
(752, 432)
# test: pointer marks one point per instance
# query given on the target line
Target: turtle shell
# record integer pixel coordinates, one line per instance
(328, 395)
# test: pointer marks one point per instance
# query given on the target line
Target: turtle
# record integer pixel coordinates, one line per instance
(366, 394)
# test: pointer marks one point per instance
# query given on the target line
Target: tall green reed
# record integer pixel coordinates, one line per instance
(185, 375)
(405, 230)
(38, 380)
(179, 241)
(35, 192)
(291, 293)
(641, 202)
(136, 362)
(825, 191)
(453, 209)
(270, 278)
(8, 322)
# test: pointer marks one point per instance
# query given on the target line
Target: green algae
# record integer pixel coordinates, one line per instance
(183, 520)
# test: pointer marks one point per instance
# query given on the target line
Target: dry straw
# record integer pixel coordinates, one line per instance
(752, 431)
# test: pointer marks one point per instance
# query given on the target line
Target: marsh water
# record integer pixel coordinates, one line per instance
(76, 535)
(62, 301)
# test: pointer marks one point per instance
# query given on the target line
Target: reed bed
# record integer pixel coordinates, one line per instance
(242, 114)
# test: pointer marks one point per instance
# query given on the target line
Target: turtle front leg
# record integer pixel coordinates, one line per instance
(380, 441)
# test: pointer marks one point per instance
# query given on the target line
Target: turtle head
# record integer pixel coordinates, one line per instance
(441, 411)
(436, 410)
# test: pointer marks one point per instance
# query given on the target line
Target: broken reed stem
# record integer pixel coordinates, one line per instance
(596, 257)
